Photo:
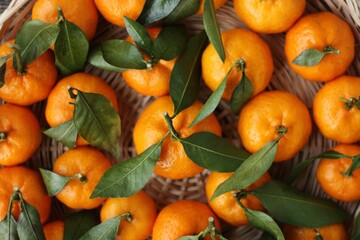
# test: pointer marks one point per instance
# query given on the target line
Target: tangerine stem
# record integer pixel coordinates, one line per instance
(81, 177)
(127, 216)
(330, 49)
(3, 136)
(171, 126)
(17, 52)
(351, 102)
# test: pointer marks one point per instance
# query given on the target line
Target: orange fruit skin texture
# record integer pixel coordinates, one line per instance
(217, 4)
(58, 110)
(154, 81)
(261, 116)
(143, 213)
(82, 13)
(270, 16)
(330, 175)
(331, 232)
(89, 162)
(332, 118)
(32, 86)
(151, 128)
(182, 218)
(54, 230)
(225, 206)
(23, 134)
(238, 43)
(114, 10)
(31, 187)
(317, 31)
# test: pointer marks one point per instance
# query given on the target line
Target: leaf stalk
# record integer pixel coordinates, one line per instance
(170, 125)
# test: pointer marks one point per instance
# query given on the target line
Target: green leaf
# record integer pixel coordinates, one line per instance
(155, 10)
(96, 58)
(78, 223)
(294, 207)
(357, 228)
(54, 182)
(65, 133)
(104, 231)
(3, 67)
(186, 75)
(8, 229)
(241, 94)
(170, 42)
(211, 104)
(195, 237)
(302, 166)
(123, 54)
(212, 28)
(97, 121)
(71, 48)
(29, 226)
(213, 152)
(182, 10)
(252, 169)
(128, 177)
(34, 38)
(264, 222)
(140, 35)
(312, 57)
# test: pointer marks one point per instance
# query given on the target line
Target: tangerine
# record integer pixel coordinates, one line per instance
(331, 232)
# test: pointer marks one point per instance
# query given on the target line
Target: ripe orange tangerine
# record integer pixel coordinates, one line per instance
(269, 16)
(182, 218)
(263, 116)
(154, 81)
(225, 206)
(331, 232)
(142, 210)
(20, 134)
(88, 165)
(34, 84)
(238, 44)
(332, 177)
(335, 111)
(32, 189)
(82, 13)
(321, 31)
(151, 127)
(217, 4)
(54, 230)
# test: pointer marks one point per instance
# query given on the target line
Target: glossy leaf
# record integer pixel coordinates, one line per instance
(128, 177)
(29, 226)
(155, 10)
(3, 67)
(182, 10)
(195, 237)
(104, 231)
(97, 121)
(213, 152)
(212, 28)
(54, 182)
(34, 38)
(294, 207)
(252, 169)
(170, 42)
(241, 94)
(96, 58)
(65, 133)
(357, 229)
(8, 229)
(312, 57)
(264, 222)
(186, 75)
(140, 35)
(211, 104)
(302, 166)
(78, 223)
(123, 54)
(71, 48)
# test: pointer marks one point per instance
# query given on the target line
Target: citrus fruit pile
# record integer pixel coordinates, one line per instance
(170, 119)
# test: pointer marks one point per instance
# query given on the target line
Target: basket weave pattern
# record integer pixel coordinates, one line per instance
(131, 105)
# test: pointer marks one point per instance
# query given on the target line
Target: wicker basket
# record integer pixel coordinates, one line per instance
(131, 104)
